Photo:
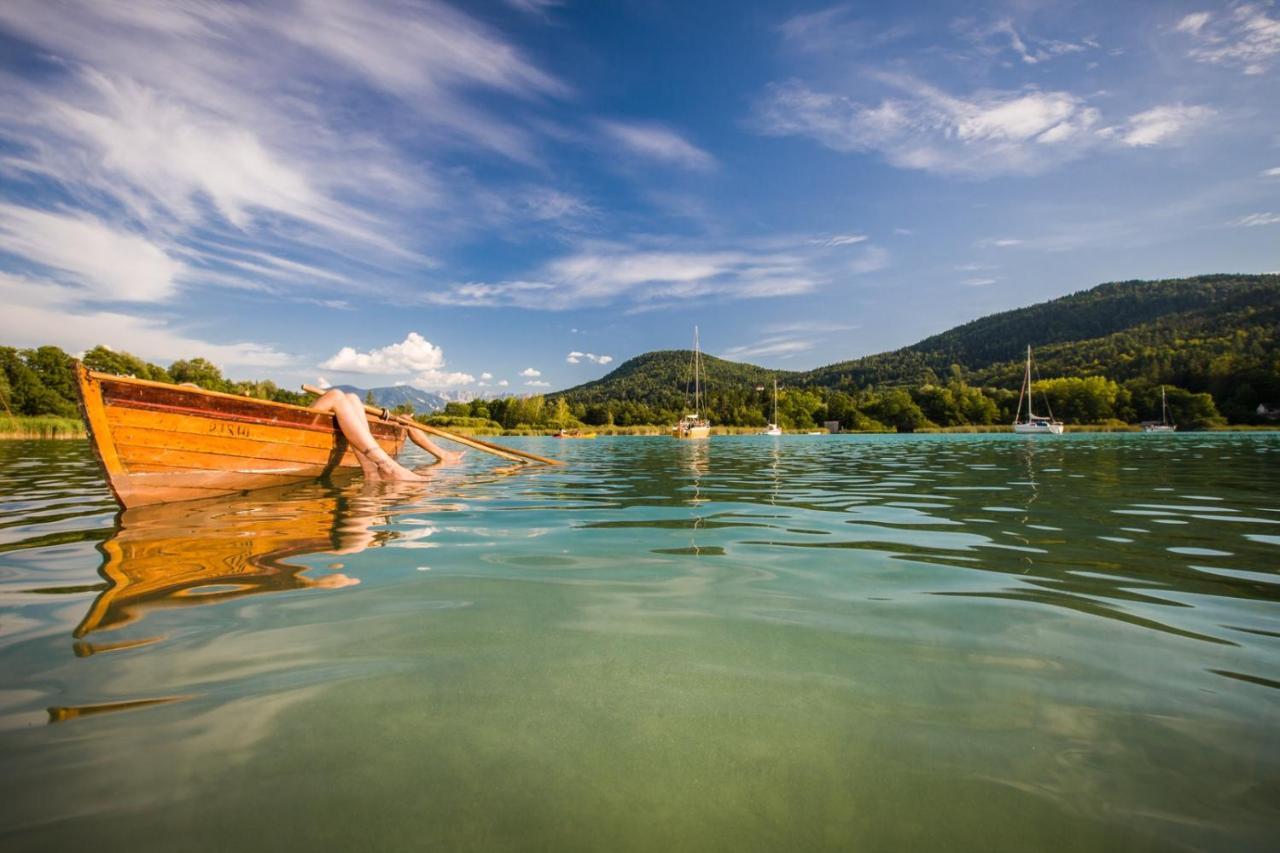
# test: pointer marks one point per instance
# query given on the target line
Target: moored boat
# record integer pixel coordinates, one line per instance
(160, 443)
(693, 425)
(1034, 424)
(1164, 424)
(573, 433)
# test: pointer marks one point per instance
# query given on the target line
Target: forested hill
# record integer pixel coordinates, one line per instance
(1217, 334)
(1167, 331)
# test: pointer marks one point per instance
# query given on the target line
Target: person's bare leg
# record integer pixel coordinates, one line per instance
(349, 411)
(446, 457)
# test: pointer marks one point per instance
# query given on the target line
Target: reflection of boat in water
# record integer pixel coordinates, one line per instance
(694, 425)
(1034, 424)
(205, 552)
(773, 428)
(161, 443)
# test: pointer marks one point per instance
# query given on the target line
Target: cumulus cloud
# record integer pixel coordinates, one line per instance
(576, 357)
(1271, 173)
(529, 371)
(538, 383)
(433, 380)
(1243, 36)
(486, 376)
(413, 354)
(658, 143)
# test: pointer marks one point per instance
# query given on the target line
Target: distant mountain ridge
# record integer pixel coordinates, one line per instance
(397, 395)
(1215, 333)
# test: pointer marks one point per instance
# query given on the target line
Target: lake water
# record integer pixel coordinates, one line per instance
(855, 643)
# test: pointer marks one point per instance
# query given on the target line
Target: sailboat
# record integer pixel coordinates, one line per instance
(1034, 424)
(693, 425)
(773, 428)
(1164, 424)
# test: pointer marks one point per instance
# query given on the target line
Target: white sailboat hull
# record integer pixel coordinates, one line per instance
(1038, 428)
(1159, 428)
(772, 430)
(691, 432)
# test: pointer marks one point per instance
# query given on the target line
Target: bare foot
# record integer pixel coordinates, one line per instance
(382, 467)
(451, 457)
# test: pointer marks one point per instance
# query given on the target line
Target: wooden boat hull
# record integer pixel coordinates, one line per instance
(161, 443)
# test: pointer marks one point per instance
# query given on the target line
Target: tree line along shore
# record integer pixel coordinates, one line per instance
(37, 400)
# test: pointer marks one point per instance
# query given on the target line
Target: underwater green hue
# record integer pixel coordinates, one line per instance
(959, 642)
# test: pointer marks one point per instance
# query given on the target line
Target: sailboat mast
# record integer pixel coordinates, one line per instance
(775, 400)
(697, 371)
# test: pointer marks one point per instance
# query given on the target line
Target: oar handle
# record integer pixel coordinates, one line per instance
(496, 449)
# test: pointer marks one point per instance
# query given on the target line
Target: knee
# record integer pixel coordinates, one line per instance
(354, 400)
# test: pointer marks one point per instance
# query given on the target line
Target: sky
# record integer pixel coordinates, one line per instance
(518, 195)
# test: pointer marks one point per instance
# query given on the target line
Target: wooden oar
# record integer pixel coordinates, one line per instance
(496, 449)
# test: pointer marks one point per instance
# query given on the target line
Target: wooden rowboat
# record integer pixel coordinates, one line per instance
(160, 443)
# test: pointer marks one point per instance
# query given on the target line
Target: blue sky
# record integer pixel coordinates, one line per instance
(514, 196)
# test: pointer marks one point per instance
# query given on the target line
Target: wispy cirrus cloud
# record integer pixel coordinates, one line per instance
(1159, 125)
(1254, 220)
(658, 143)
(648, 278)
(988, 132)
(1243, 36)
(771, 347)
(200, 129)
(34, 306)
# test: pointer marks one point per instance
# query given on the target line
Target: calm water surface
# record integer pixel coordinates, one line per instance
(876, 643)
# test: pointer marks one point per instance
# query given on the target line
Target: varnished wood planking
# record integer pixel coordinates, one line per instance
(162, 443)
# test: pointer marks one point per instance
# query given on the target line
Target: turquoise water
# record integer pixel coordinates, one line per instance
(875, 643)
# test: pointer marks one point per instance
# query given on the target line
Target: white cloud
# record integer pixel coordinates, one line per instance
(529, 371)
(111, 264)
(604, 274)
(978, 282)
(1271, 173)
(538, 383)
(37, 312)
(998, 242)
(486, 376)
(1193, 23)
(502, 383)
(990, 132)
(1243, 37)
(433, 380)
(414, 353)
(994, 38)
(779, 347)
(839, 240)
(987, 133)
(197, 127)
(576, 357)
(1253, 220)
(655, 142)
(1159, 124)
